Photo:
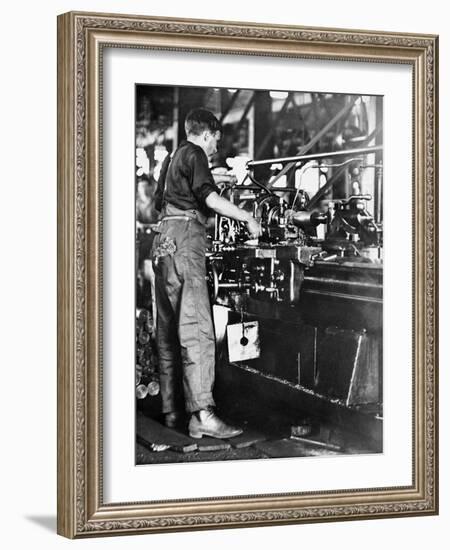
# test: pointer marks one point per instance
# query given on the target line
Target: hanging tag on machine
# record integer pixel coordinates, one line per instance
(243, 341)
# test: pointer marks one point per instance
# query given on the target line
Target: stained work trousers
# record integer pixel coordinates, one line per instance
(185, 332)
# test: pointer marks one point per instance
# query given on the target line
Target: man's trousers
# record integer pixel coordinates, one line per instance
(185, 332)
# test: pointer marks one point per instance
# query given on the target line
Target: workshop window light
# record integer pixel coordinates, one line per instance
(159, 155)
(278, 95)
(142, 162)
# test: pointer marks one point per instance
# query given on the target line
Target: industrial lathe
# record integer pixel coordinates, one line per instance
(314, 283)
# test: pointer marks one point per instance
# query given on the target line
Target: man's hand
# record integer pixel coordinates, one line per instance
(225, 208)
(254, 228)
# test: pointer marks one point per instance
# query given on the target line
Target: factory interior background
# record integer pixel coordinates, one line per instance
(297, 312)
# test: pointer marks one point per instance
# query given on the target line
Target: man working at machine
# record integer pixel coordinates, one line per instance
(186, 190)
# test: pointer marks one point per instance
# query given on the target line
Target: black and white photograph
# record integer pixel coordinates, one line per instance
(259, 274)
(222, 254)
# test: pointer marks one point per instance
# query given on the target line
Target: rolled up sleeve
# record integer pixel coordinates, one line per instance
(202, 180)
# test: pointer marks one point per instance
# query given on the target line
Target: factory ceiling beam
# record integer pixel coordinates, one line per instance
(320, 100)
(229, 106)
(245, 113)
(269, 135)
(330, 183)
(341, 114)
(298, 108)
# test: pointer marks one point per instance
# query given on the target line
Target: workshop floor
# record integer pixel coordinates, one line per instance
(268, 432)
(157, 444)
(146, 456)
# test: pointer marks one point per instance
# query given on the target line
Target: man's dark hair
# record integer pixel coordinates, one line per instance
(199, 120)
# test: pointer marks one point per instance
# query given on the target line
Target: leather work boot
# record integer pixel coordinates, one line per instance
(206, 422)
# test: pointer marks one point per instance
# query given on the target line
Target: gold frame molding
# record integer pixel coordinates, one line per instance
(81, 37)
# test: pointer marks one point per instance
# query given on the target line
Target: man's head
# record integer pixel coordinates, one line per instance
(203, 129)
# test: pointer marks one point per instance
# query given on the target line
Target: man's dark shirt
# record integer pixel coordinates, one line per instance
(185, 180)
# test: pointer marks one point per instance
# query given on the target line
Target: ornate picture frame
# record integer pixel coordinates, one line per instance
(82, 38)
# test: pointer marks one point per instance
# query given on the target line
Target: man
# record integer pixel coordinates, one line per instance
(185, 333)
